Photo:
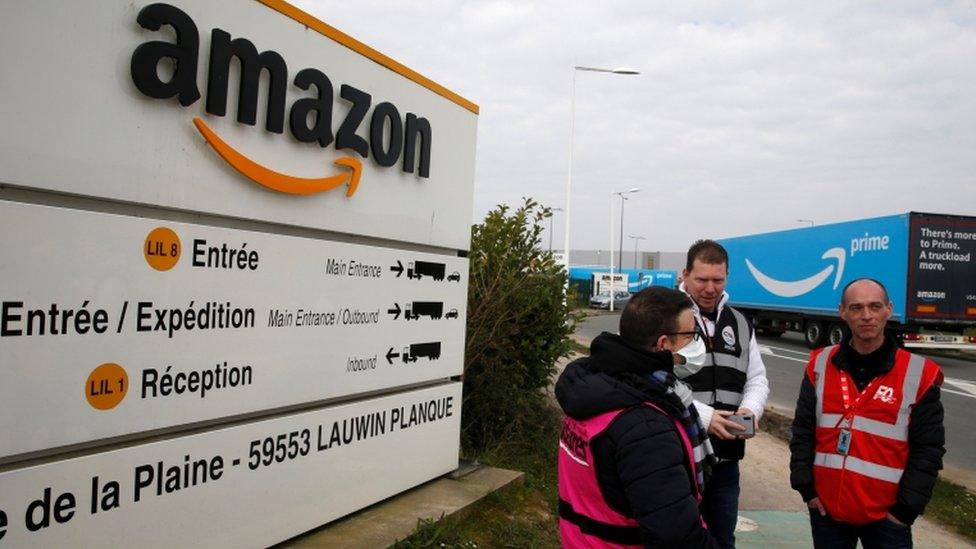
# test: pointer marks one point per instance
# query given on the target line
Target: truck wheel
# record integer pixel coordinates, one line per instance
(814, 334)
(836, 333)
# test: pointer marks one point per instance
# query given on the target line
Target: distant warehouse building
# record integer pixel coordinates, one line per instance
(672, 261)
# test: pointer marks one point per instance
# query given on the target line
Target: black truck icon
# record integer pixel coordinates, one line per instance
(417, 309)
(430, 350)
(419, 269)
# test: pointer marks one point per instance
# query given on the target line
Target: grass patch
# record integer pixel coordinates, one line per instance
(582, 312)
(955, 507)
(578, 347)
(520, 516)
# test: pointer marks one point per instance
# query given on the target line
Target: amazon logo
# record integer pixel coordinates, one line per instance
(392, 139)
(795, 288)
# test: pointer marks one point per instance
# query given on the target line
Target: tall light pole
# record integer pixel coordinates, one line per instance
(613, 194)
(621, 243)
(572, 139)
(636, 240)
(550, 230)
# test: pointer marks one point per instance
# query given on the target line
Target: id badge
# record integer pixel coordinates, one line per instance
(843, 442)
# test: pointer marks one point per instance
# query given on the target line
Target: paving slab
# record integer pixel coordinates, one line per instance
(771, 514)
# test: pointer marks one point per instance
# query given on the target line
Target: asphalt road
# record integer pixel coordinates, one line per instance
(785, 358)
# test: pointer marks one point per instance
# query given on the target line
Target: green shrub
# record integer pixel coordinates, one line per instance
(518, 326)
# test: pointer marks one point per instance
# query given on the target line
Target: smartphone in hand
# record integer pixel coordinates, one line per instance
(747, 421)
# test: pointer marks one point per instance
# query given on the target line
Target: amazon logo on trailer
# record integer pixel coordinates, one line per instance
(409, 138)
(795, 288)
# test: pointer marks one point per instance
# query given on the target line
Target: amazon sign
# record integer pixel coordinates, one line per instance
(309, 119)
(233, 264)
(240, 109)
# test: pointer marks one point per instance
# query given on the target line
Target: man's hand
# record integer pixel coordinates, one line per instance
(721, 427)
(896, 521)
(815, 505)
(755, 422)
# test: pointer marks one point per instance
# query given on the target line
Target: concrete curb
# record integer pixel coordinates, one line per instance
(385, 523)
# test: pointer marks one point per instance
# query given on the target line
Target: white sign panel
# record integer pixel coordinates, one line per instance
(560, 259)
(247, 486)
(144, 102)
(603, 282)
(112, 325)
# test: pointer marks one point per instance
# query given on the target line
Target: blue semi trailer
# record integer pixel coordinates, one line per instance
(792, 280)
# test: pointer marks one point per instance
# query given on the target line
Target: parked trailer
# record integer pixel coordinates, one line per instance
(792, 280)
(583, 279)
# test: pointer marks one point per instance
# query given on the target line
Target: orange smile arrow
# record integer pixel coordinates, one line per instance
(279, 181)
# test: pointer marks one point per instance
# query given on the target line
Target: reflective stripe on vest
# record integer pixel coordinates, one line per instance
(702, 382)
(857, 465)
(898, 431)
(718, 394)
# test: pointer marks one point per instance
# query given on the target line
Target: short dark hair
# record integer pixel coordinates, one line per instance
(708, 252)
(651, 313)
(843, 293)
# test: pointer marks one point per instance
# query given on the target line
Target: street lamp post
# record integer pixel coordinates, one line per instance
(572, 138)
(636, 240)
(623, 199)
(612, 194)
(550, 226)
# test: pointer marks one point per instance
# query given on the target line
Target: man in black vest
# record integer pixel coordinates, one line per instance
(729, 379)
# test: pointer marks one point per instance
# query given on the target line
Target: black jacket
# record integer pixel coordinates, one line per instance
(926, 433)
(639, 459)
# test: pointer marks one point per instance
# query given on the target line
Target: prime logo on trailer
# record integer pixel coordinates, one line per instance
(403, 137)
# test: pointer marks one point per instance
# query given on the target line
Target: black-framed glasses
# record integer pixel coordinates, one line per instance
(695, 334)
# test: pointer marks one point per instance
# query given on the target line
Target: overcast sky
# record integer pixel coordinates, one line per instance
(746, 117)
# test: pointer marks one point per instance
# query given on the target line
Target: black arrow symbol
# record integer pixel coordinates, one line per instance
(398, 269)
(395, 312)
(390, 355)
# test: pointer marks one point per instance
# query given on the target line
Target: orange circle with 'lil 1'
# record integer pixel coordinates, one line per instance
(106, 386)
(162, 248)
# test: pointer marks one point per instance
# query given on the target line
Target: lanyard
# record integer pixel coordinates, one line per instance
(845, 392)
(702, 324)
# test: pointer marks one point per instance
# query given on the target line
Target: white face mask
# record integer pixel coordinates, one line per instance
(694, 352)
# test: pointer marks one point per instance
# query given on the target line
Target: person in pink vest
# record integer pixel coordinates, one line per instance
(868, 435)
(632, 454)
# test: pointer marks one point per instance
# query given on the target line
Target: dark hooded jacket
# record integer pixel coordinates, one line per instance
(639, 459)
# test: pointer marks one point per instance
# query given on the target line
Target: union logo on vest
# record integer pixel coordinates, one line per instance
(885, 394)
(728, 334)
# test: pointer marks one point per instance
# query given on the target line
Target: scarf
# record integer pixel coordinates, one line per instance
(650, 373)
(678, 396)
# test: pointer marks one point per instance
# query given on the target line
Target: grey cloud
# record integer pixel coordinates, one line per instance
(746, 116)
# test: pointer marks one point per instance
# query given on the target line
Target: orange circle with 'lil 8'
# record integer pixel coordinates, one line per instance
(106, 386)
(162, 248)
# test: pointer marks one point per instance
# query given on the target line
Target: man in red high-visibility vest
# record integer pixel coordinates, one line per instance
(868, 435)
